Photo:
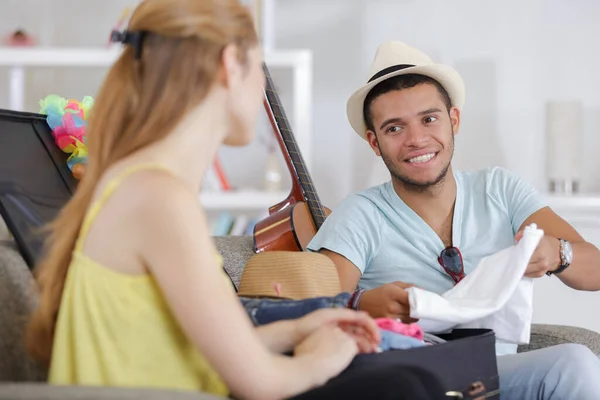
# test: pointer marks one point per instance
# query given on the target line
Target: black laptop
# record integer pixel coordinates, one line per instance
(35, 182)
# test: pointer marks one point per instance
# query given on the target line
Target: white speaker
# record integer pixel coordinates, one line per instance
(564, 151)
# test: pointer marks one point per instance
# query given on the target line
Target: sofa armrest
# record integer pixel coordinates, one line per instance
(18, 298)
(42, 391)
(549, 335)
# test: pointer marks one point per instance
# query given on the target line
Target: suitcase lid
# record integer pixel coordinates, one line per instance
(35, 181)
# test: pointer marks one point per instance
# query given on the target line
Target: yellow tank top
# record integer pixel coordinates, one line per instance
(115, 329)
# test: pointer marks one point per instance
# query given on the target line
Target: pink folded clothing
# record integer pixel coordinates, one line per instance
(389, 324)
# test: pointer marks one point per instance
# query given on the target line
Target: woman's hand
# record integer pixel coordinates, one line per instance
(327, 349)
(359, 325)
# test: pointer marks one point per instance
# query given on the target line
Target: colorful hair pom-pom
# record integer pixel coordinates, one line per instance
(88, 103)
(78, 120)
(68, 120)
(54, 120)
(78, 171)
(53, 104)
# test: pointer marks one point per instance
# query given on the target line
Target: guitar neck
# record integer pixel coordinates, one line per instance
(291, 151)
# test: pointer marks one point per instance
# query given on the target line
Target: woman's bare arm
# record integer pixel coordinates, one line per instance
(280, 336)
(175, 243)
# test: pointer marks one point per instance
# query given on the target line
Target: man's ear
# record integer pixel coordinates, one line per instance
(455, 119)
(372, 139)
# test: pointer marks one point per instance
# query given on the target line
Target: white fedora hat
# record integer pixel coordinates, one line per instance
(395, 58)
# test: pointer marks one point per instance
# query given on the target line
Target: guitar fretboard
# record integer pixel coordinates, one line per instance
(293, 152)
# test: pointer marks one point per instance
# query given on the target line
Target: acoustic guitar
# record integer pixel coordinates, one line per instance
(294, 221)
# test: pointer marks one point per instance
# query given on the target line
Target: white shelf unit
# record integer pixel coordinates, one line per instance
(242, 200)
(300, 61)
(580, 210)
(576, 202)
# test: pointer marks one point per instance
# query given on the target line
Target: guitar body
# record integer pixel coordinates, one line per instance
(288, 229)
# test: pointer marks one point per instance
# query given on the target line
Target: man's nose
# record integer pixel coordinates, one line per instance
(415, 136)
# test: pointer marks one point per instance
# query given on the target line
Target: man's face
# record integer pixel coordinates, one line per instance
(414, 134)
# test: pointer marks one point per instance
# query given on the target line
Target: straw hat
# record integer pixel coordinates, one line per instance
(395, 58)
(292, 275)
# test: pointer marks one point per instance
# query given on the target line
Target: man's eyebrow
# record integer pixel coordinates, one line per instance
(390, 120)
(400, 120)
(429, 111)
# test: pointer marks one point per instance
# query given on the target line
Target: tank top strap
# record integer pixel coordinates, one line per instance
(108, 190)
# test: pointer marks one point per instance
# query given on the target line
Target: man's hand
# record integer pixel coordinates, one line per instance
(546, 256)
(359, 325)
(387, 301)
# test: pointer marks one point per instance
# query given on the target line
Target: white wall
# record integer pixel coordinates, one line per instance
(514, 56)
(59, 23)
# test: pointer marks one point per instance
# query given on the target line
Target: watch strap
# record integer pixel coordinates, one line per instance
(563, 261)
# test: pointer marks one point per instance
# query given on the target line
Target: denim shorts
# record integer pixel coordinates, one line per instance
(264, 311)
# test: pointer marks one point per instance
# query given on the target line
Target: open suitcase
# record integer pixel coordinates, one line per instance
(466, 360)
(465, 363)
(35, 181)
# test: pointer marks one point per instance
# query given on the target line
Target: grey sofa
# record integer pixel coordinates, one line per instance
(20, 378)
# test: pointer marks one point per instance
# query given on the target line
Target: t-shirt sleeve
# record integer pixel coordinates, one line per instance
(518, 196)
(351, 230)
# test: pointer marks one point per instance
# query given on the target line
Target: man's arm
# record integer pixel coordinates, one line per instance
(348, 272)
(525, 206)
(389, 300)
(350, 237)
(584, 271)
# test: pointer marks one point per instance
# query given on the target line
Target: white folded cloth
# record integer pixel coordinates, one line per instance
(495, 295)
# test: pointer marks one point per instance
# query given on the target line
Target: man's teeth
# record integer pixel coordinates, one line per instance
(422, 159)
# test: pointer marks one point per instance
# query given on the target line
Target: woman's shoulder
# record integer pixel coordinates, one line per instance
(139, 189)
(146, 206)
(155, 197)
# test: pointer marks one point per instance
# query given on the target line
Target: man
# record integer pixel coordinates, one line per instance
(431, 225)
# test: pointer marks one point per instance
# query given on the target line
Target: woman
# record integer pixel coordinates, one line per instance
(132, 289)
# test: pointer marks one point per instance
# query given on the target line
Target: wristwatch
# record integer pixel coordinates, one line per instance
(566, 257)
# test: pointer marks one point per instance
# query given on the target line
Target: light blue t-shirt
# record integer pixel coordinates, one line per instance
(387, 241)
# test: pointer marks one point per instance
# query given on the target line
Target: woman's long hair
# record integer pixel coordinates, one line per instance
(139, 103)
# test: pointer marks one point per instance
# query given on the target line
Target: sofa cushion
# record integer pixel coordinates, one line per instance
(4, 234)
(18, 298)
(37, 391)
(543, 335)
(235, 251)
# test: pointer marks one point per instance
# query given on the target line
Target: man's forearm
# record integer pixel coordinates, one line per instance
(584, 271)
